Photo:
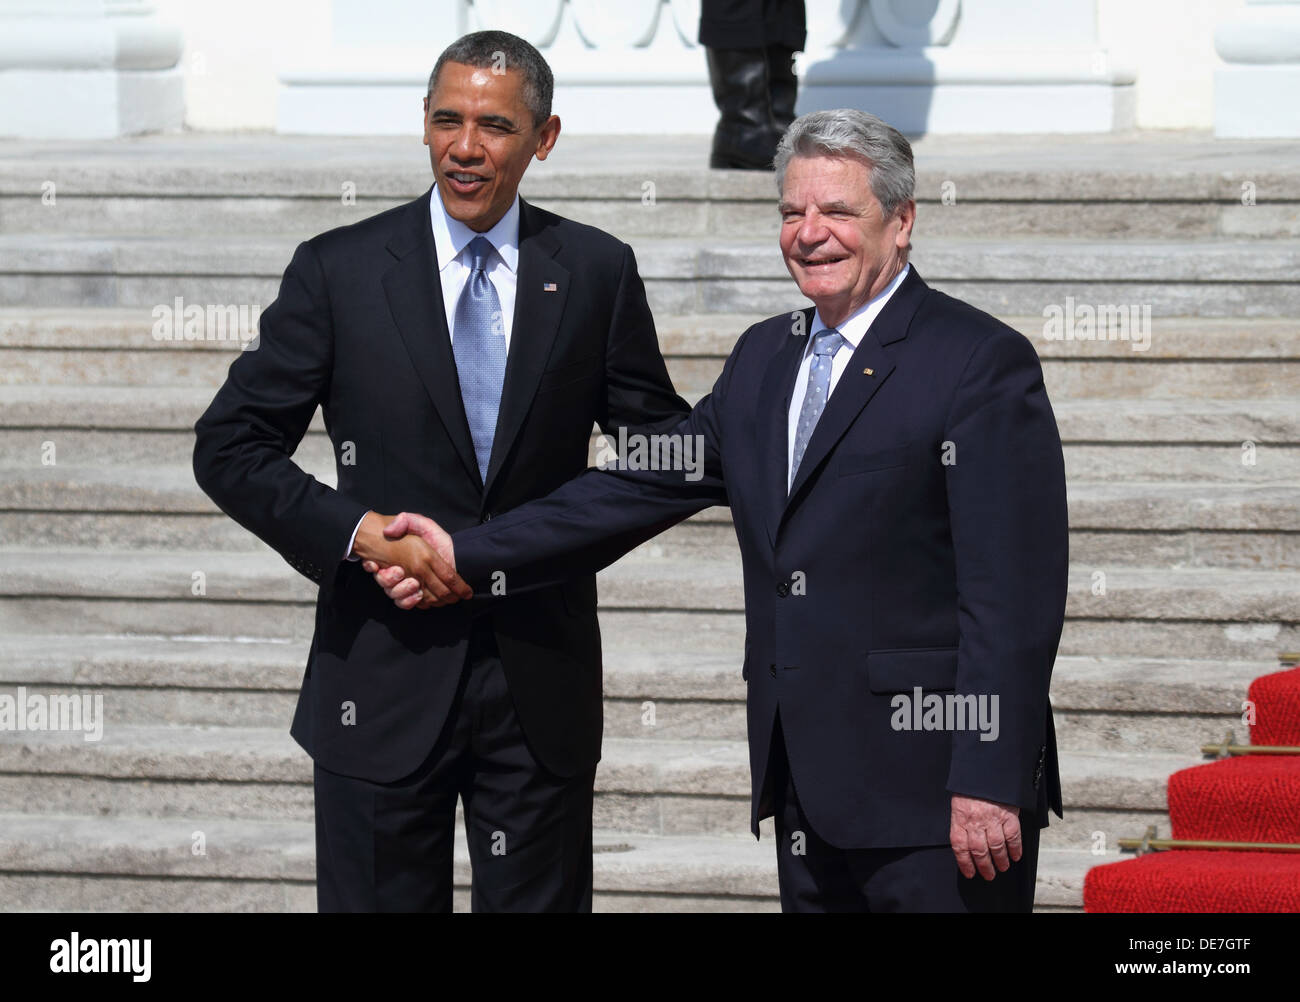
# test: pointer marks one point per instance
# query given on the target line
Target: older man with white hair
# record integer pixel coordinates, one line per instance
(897, 486)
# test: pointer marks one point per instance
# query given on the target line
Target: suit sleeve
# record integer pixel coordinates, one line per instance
(244, 441)
(1007, 510)
(595, 518)
(639, 392)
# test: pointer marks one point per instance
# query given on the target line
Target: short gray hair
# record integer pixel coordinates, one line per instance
(484, 49)
(849, 132)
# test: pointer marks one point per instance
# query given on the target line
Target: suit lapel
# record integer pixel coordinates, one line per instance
(854, 389)
(774, 422)
(414, 294)
(542, 286)
(867, 371)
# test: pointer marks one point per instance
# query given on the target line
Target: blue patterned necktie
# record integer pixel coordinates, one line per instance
(479, 344)
(825, 344)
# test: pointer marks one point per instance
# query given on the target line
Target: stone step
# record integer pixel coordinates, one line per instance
(111, 333)
(146, 865)
(624, 213)
(1239, 614)
(1122, 704)
(1095, 506)
(221, 185)
(693, 275)
(112, 508)
(62, 862)
(665, 787)
(639, 581)
(1194, 358)
(1223, 441)
(1245, 460)
(176, 408)
(708, 629)
(1067, 378)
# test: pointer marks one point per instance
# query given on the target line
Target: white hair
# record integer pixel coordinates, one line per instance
(849, 132)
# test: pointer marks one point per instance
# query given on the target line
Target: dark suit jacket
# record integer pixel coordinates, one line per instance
(924, 544)
(359, 329)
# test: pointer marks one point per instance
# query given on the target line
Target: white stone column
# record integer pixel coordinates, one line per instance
(87, 69)
(1258, 92)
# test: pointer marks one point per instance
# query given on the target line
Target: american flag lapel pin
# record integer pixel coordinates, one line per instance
(548, 287)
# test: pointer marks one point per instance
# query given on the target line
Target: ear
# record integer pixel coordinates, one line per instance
(546, 137)
(424, 121)
(906, 214)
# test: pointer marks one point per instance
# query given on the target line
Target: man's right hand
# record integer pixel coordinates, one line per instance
(412, 559)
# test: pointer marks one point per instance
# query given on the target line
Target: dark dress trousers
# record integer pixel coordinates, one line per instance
(752, 24)
(359, 329)
(922, 546)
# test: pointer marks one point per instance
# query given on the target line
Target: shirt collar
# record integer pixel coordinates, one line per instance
(855, 327)
(450, 236)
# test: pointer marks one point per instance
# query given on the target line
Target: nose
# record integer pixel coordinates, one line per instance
(465, 148)
(812, 231)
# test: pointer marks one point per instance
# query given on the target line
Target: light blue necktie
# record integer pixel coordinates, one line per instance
(479, 344)
(825, 344)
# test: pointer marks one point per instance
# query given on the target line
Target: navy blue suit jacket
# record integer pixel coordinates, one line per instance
(923, 545)
(359, 329)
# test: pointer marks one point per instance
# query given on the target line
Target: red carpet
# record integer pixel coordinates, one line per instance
(1277, 708)
(1249, 798)
(1186, 880)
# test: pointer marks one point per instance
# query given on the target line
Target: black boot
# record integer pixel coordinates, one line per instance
(782, 85)
(746, 136)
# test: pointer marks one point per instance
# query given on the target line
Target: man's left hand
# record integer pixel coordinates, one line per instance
(984, 835)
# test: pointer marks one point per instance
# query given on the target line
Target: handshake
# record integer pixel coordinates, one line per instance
(412, 559)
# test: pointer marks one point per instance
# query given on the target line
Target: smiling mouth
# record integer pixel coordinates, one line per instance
(464, 182)
(820, 262)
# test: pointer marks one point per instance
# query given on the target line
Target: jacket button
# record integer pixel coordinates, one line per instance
(783, 589)
(771, 670)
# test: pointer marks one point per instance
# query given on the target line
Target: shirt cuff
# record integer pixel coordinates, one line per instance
(352, 542)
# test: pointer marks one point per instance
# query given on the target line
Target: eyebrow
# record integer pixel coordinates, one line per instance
(502, 120)
(828, 207)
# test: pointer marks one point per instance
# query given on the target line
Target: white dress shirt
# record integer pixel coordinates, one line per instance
(450, 238)
(853, 329)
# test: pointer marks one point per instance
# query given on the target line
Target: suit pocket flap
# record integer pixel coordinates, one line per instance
(904, 669)
(881, 459)
(572, 372)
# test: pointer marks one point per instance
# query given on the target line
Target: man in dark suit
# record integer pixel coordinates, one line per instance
(897, 486)
(461, 347)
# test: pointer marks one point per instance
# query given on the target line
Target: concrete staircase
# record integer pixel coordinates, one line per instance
(1183, 463)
